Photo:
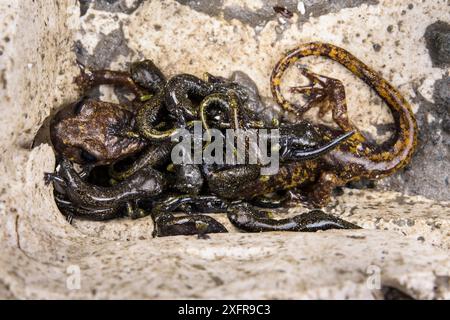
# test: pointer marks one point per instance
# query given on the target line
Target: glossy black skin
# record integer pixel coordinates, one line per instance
(147, 75)
(180, 90)
(71, 210)
(175, 102)
(246, 217)
(299, 143)
(99, 203)
(177, 95)
(241, 214)
(304, 141)
(88, 131)
(189, 179)
(251, 107)
(145, 183)
(154, 155)
(167, 224)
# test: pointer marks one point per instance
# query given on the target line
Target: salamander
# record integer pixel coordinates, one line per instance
(95, 201)
(353, 159)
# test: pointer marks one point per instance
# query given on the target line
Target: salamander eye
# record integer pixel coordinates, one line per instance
(87, 156)
(78, 106)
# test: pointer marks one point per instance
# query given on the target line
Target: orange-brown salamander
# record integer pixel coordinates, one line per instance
(352, 159)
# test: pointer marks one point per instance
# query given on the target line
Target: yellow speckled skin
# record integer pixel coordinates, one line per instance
(355, 158)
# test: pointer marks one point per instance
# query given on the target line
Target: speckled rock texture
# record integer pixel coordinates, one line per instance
(403, 249)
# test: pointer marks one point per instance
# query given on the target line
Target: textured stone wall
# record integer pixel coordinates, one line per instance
(405, 241)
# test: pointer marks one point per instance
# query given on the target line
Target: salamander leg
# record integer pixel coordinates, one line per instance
(320, 195)
(330, 95)
(69, 218)
(88, 79)
(53, 177)
(133, 210)
(66, 207)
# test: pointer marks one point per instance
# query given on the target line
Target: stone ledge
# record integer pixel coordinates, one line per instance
(323, 265)
(37, 64)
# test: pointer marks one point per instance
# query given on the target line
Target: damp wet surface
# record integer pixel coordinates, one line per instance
(405, 236)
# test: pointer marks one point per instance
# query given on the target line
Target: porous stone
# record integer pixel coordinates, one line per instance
(402, 250)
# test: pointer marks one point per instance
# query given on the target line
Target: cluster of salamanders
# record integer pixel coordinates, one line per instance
(115, 160)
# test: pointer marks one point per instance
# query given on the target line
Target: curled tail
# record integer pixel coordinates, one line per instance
(375, 162)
